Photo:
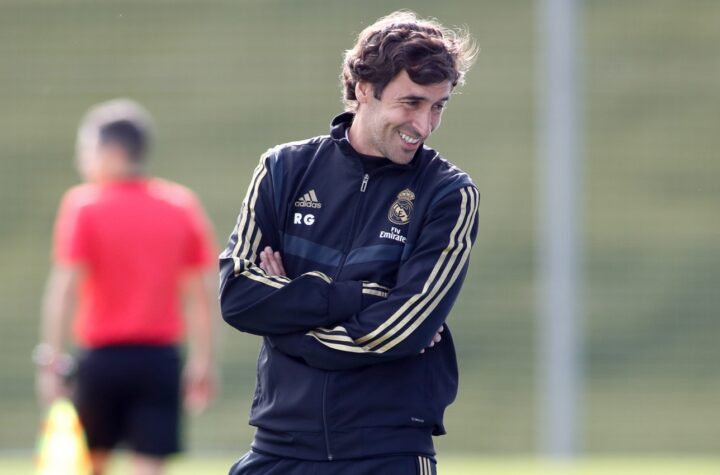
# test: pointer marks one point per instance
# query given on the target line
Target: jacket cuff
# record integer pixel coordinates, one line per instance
(344, 300)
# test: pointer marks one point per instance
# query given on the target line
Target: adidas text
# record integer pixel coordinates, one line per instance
(307, 204)
(308, 200)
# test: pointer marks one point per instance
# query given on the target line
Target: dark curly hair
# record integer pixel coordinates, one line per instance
(429, 52)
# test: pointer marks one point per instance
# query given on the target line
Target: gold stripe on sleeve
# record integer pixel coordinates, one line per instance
(319, 275)
(456, 252)
(247, 214)
(434, 298)
(446, 260)
(262, 280)
(378, 293)
(352, 349)
(371, 288)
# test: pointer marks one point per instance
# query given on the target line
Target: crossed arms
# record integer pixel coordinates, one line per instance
(339, 325)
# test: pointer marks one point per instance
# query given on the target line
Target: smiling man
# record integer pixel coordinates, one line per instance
(348, 254)
(397, 125)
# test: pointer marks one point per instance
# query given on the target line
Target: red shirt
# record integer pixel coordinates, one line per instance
(135, 239)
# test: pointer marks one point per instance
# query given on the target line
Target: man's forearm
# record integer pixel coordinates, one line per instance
(200, 308)
(58, 302)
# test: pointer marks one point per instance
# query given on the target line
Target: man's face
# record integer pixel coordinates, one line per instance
(88, 160)
(97, 162)
(397, 124)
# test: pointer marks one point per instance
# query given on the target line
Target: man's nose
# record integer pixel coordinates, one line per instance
(423, 123)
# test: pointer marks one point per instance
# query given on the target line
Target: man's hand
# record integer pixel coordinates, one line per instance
(49, 385)
(58, 304)
(435, 339)
(271, 262)
(52, 369)
(199, 375)
(199, 385)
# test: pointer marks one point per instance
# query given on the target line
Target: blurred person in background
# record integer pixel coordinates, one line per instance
(348, 254)
(132, 255)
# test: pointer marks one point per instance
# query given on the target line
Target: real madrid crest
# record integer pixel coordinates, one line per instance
(402, 207)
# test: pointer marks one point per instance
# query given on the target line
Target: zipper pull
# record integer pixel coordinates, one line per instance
(363, 187)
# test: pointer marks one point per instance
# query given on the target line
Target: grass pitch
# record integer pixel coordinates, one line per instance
(451, 465)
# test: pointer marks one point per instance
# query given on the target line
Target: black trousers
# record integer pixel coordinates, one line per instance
(255, 463)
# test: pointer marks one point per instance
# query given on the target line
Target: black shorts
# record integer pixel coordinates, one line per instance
(256, 463)
(130, 394)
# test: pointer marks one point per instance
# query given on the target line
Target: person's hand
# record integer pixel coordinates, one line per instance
(435, 339)
(271, 262)
(52, 369)
(49, 386)
(199, 386)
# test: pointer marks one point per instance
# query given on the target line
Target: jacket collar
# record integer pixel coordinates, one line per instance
(339, 130)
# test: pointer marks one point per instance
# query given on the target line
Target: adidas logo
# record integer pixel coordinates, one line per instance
(308, 200)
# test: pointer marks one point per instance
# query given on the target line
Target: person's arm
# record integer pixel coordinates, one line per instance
(271, 262)
(199, 378)
(71, 247)
(254, 301)
(49, 356)
(407, 321)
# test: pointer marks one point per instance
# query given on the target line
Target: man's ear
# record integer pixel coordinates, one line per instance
(363, 92)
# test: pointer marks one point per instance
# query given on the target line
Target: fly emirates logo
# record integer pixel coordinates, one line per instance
(393, 234)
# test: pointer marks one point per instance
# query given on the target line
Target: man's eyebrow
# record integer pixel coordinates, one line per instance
(420, 98)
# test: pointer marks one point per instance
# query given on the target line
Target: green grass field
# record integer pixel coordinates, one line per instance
(228, 79)
(460, 465)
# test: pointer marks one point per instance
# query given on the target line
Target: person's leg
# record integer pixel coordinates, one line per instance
(426, 465)
(147, 465)
(255, 463)
(154, 421)
(100, 403)
(99, 459)
(380, 465)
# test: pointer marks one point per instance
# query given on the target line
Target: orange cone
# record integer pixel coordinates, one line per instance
(62, 449)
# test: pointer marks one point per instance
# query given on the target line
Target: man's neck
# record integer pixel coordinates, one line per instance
(354, 135)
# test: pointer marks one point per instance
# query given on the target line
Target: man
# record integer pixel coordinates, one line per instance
(348, 254)
(132, 248)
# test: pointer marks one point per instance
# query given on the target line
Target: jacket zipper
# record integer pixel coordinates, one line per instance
(363, 187)
(348, 243)
(324, 417)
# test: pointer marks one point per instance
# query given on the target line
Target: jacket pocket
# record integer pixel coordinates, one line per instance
(288, 393)
(395, 394)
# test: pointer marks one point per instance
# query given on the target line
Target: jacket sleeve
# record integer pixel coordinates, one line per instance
(255, 302)
(404, 323)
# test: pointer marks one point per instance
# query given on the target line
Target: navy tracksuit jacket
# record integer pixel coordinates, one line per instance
(375, 255)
